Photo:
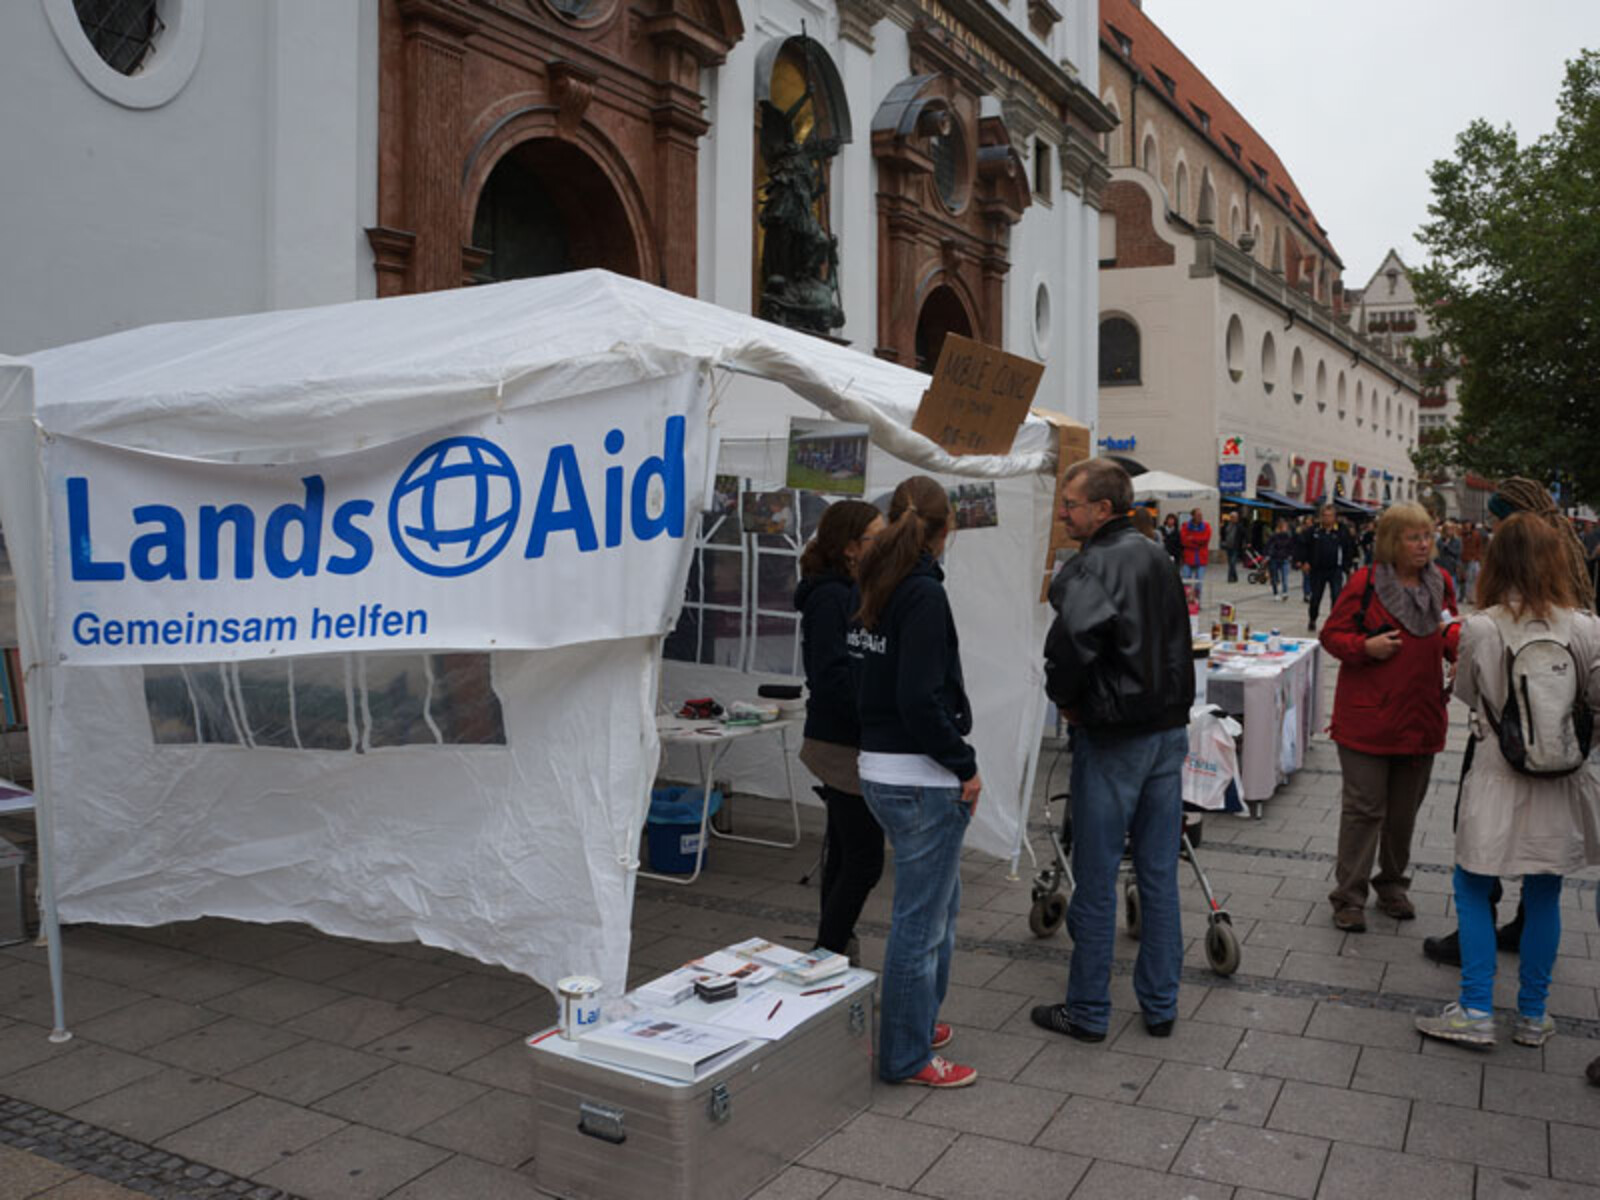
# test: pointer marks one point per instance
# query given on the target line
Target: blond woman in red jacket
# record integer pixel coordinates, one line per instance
(1392, 628)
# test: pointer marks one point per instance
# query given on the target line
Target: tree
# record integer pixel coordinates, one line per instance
(1513, 289)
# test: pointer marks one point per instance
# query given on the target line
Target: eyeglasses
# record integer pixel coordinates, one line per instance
(1069, 505)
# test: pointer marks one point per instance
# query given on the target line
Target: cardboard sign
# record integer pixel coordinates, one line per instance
(978, 398)
(1072, 445)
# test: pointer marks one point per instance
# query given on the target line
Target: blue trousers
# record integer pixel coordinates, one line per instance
(1278, 570)
(1541, 934)
(925, 826)
(1125, 789)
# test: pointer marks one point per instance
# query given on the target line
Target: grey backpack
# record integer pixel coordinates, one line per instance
(1544, 725)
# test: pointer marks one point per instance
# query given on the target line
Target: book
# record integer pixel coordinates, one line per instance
(792, 965)
(660, 1045)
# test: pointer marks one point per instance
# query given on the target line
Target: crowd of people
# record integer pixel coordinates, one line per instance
(888, 734)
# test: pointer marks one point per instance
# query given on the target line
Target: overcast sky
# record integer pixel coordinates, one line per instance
(1359, 97)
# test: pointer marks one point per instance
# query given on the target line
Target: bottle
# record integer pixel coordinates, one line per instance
(1274, 642)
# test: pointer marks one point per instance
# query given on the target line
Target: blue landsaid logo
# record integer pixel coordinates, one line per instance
(479, 477)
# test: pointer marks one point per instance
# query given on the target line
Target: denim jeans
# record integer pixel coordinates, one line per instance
(1541, 934)
(925, 826)
(1278, 571)
(1197, 573)
(1127, 786)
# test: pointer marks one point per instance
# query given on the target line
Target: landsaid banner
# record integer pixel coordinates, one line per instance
(554, 523)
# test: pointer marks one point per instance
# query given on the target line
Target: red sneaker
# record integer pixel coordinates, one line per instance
(942, 1074)
(943, 1035)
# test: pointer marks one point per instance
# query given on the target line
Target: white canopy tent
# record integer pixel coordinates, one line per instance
(1165, 486)
(280, 669)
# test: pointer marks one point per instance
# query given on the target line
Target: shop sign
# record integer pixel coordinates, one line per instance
(1296, 483)
(1266, 454)
(1230, 478)
(1341, 465)
(1118, 444)
(1230, 448)
(1316, 480)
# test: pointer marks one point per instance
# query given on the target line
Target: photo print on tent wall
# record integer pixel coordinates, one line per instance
(827, 456)
(768, 512)
(974, 505)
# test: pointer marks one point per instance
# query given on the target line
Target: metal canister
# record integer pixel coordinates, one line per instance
(580, 1005)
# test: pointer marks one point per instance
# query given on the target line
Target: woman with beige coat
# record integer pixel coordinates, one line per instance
(1510, 823)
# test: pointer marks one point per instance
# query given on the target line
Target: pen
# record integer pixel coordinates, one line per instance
(775, 1009)
(819, 991)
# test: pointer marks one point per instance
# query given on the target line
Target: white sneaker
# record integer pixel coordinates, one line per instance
(1533, 1031)
(1456, 1024)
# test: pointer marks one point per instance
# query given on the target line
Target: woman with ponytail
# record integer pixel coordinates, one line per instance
(918, 773)
(852, 857)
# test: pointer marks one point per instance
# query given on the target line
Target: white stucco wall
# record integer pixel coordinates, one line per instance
(250, 188)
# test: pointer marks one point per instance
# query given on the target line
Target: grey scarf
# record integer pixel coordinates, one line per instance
(1415, 608)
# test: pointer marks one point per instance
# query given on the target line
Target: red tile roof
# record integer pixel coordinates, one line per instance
(1154, 56)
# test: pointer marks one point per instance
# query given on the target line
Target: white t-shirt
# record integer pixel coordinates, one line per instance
(905, 770)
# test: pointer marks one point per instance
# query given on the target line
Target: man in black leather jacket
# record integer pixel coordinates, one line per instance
(1119, 663)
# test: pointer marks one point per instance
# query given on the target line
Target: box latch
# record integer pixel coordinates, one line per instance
(601, 1121)
(721, 1103)
(858, 1018)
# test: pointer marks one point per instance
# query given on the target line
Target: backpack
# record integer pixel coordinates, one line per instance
(1544, 725)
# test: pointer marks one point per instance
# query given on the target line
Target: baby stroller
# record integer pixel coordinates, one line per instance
(1256, 564)
(1050, 902)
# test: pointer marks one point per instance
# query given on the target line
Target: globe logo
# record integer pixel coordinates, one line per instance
(455, 507)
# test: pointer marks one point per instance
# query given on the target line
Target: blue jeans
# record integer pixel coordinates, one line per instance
(1541, 934)
(1197, 573)
(1278, 572)
(925, 826)
(1127, 787)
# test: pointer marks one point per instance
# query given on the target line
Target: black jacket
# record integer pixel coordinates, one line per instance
(825, 604)
(909, 691)
(1120, 654)
(1326, 549)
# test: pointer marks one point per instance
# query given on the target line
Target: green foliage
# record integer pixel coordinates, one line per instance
(1514, 288)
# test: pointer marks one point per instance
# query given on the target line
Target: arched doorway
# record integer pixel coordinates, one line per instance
(942, 313)
(548, 207)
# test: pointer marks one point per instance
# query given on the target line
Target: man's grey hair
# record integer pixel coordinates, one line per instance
(1104, 480)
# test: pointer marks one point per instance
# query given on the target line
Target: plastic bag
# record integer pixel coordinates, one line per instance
(1213, 759)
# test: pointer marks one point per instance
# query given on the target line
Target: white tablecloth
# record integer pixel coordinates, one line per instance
(1278, 699)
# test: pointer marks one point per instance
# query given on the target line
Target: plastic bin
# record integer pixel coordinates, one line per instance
(672, 831)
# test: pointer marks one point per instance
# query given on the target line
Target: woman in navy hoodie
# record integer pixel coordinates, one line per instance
(852, 860)
(918, 773)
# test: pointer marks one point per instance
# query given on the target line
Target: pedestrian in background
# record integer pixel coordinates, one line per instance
(1326, 554)
(1232, 541)
(1471, 556)
(918, 772)
(1118, 663)
(1171, 540)
(1195, 535)
(1389, 631)
(1510, 823)
(852, 842)
(1280, 552)
(1447, 552)
(1143, 522)
(1365, 543)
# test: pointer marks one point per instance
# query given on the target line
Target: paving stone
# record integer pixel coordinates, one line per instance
(251, 1136)
(1332, 970)
(275, 999)
(1029, 978)
(1489, 1139)
(1211, 1092)
(1363, 1172)
(1540, 1095)
(979, 1166)
(25, 995)
(441, 1043)
(354, 1021)
(475, 997)
(1418, 1077)
(401, 1099)
(1419, 977)
(993, 1108)
(106, 956)
(1223, 1152)
(68, 1080)
(24, 1175)
(1342, 1115)
(1088, 1071)
(1115, 1181)
(1250, 1010)
(534, 1015)
(854, 1189)
(1364, 1026)
(322, 961)
(881, 1150)
(1563, 1000)
(497, 1127)
(223, 1046)
(462, 1178)
(87, 1187)
(1506, 1185)
(978, 1007)
(797, 1183)
(1191, 1042)
(352, 1164)
(22, 1045)
(307, 1072)
(507, 1068)
(144, 1023)
(1124, 1133)
(1565, 1055)
(393, 979)
(248, 942)
(204, 980)
(1310, 1059)
(159, 1104)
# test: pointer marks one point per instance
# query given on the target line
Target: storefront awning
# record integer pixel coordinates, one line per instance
(1279, 500)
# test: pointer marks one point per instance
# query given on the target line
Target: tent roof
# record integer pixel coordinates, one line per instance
(311, 382)
(1165, 484)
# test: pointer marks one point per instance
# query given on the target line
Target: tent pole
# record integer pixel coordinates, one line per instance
(45, 820)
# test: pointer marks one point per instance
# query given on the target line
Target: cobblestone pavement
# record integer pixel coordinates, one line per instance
(219, 1059)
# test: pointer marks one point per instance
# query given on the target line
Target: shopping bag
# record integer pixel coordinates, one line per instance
(1213, 759)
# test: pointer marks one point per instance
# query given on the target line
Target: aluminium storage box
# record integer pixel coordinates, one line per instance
(608, 1133)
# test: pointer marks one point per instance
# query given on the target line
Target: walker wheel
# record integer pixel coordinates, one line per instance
(1222, 948)
(1047, 914)
(1130, 908)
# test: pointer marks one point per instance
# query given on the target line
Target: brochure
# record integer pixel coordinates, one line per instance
(793, 965)
(660, 1045)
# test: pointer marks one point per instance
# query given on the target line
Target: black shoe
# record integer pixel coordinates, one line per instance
(1593, 1072)
(1054, 1018)
(1444, 950)
(1160, 1028)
